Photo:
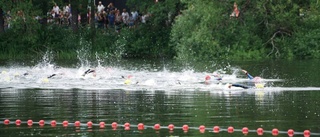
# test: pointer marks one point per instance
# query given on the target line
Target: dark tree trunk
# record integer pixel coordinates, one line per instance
(92, 23)
(74, 12)
(1, 21)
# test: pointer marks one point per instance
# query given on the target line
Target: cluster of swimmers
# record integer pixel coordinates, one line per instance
(254, 82)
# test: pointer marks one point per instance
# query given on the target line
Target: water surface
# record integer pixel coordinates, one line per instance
(165, 94)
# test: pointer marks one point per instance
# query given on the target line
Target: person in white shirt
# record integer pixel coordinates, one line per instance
(125, 16)
(100, 7)
(56, 10)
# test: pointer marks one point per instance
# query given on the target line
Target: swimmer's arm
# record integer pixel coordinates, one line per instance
(248, 75)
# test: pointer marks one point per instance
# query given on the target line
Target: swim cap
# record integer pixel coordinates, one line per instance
(129, 76)
(257, 79)
(45, 80)
(260, 85)
(208, 77)
(127, 81)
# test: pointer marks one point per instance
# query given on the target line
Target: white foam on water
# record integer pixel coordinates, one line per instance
(114, 78)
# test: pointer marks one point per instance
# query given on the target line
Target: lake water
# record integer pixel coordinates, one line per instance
(160, 92)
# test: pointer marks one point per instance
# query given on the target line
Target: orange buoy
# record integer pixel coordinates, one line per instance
(170, 127)
(230, 129)
(18, 122)
(29, 122)
(102, 125)
(41, 123)
(275, 132)
(140, 126)
(185, 128)
(6, 122)
(216, 129)
(65, 123)
(53, 123)
(245, 130)
(260, 131)
(77, 123)
(156, 127)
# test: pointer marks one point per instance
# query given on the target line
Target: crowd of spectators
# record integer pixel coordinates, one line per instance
(105, 17)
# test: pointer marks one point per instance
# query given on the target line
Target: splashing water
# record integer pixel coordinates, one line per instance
(46, 75)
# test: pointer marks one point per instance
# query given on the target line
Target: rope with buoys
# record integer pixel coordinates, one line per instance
(170, 127)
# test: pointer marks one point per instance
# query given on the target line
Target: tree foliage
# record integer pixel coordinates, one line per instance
(264, 29)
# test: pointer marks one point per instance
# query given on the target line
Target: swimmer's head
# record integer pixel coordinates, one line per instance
(130, 76)
(45, 80)
(16, 74)
(127, 82)
(257, 79)
(4, 72)
(207, 77)
(259, 85)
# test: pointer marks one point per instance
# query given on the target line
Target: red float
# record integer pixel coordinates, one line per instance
(156, 127)
(126, 126)
(65, 123)
(185, 128)
(202, 129)
(77, 124)
(170, 127)
(18, 122)
(53, 123)
(102, 125)
(306, 133)
(140, 126)
(216, 129)
(230, 129)
(41, 123)
(275, 132)
(29, 122)
(290, 132)
(6, 122)
(260, 131)
(89, 124)
(114, 125)
(245, 130)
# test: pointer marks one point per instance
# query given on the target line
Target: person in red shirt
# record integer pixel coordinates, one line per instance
(236, 11)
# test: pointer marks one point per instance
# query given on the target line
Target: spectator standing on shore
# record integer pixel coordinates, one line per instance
(8, 19)
(105, 18)
(236, 11)
(56, 10)
(89, 16)
(131, 22)
(125, 17)
(135, 16)
(145, 17)
(100, 7)
(111, 7)
(100, 20)
(111, 19)
(118, 20)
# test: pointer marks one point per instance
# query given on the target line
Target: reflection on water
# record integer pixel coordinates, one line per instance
(253, 109)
